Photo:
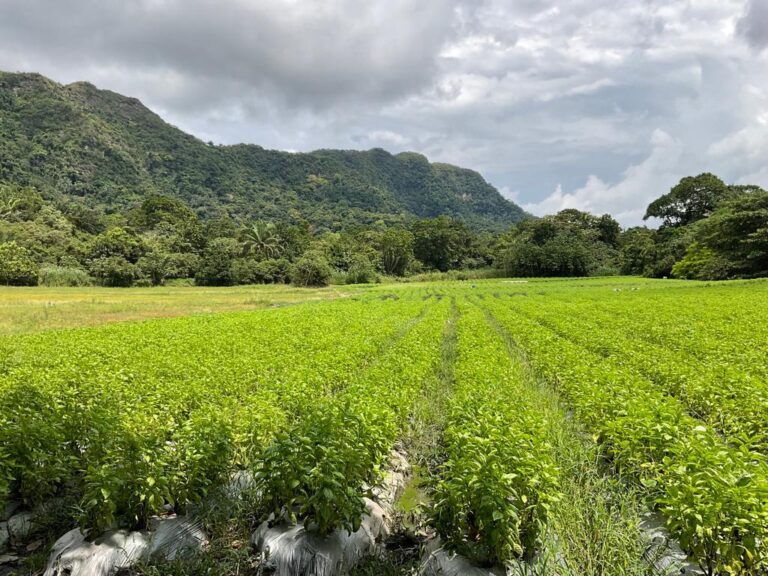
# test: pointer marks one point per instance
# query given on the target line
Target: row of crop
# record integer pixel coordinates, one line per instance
(710, 323)
(318, 470)
(131, 418)
(713, 496)
(499, 480)
(720, 393)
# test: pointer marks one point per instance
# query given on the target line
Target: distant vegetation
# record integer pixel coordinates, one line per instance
(102, 150)
(724, 235)
(96, 189)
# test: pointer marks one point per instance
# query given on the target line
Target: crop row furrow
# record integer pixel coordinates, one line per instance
(494, 491)
(318, 470)
(730, 401)
(713, 496)
(162, 411)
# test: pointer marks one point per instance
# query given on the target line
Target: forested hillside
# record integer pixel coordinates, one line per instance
(112, 152)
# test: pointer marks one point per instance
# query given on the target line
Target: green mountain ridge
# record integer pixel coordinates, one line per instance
(109, 151)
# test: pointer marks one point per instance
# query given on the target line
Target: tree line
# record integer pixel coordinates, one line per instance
(707, 230)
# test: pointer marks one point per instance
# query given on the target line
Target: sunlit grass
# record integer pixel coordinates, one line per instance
(24, 310)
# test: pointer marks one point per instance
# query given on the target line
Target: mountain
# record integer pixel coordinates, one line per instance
(111, 151)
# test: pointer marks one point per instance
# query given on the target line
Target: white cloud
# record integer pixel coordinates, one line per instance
(387, 137)
(513, 195)
(611, 101)
(627, 199)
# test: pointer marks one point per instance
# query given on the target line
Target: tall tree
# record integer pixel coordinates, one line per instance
(262, 240)
(441, 243)
(396, 250)
(570, 243)
(738, 232)
(693, 198)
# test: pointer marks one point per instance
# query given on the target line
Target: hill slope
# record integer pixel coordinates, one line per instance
(112, 151)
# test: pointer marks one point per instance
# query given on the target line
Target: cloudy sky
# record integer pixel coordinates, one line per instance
(600, 105)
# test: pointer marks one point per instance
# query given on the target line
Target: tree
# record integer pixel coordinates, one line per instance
(312, 269)
(216, 265)
(693, 198)
(441, 243)
(295, 239)
(262, 240)
(7, 206)
(671, 245)
(637, 250)
(606, 227)
(570, 243)
(114, 271)
(567, 253)
(702, 263)
(157, 209)
(19, 203)
(17, 268)
(120, 242)
(608, 230)
(738, 233)
(84, 218)
(155, 265)
(396, 251)
(361, 270)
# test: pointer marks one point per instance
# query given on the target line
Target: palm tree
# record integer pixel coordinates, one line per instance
(7, 206)
(262, 239)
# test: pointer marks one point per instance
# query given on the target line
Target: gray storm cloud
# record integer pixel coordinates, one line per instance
(580, 104)
(754, 24)
(309, 54)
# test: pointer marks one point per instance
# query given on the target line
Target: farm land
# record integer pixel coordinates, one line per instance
(544, 420)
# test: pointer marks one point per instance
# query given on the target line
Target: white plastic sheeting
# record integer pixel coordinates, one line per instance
(73, 555)
(394, 481)
(443, 563)
(662, 551)
(290, 550)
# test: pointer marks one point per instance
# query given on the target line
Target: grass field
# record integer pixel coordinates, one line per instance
(543, 417)
(25, 310)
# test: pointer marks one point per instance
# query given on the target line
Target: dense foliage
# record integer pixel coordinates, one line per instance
(111, 152)
(570, 243)
(161, 239)
(100, 189)
(651, 401)
(131, 418)
(17, 268)
(709, 231)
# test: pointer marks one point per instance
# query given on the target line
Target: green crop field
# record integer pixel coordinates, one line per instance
(544, 417)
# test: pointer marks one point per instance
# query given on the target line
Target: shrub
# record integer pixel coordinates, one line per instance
(244, 271)
(361, 271)
(249, 271)
(64, 276)
(273, 270)
(701, 263)
(317, 471)
(216, 266)
(312, 269)
(17, 268)
(114, 271)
